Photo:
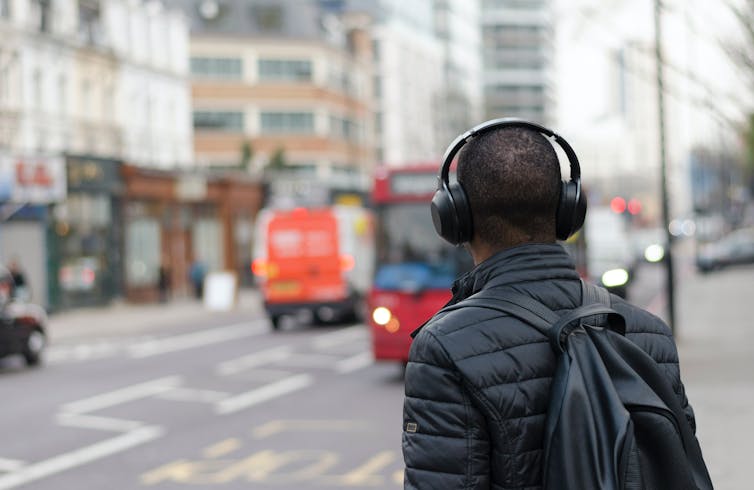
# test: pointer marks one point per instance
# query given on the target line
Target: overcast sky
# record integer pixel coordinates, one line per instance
(589, 30)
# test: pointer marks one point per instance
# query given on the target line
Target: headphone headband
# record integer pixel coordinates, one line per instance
(451, 212)
(506, 122)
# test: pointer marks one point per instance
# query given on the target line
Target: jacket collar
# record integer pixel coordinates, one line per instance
(522, 263)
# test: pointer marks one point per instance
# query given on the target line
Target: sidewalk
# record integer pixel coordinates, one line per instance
(121, 319)
(715, 335)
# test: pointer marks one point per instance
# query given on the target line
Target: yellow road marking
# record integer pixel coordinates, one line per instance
(271, 466)
(398, 477)
(277, 426)
(184, 471)
(367, 473)
(222, 448)
(263, 466)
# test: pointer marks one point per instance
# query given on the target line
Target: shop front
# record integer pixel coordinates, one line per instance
(175, 222)
(28, 186)
(86, 236)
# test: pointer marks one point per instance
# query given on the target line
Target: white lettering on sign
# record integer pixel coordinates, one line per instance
(413, 183)
(287, 243)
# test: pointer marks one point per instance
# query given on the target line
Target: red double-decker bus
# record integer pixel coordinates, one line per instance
(414, 268)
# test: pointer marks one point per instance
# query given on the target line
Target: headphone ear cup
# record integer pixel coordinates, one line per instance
(443, 215)
(451, 214)
(579, 214)
(465, 226)
(567, 205)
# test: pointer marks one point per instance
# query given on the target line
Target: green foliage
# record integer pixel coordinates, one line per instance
(277, 160)
(247, 154)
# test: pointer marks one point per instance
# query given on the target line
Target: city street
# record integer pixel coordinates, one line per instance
(204, 404)
(175, 397)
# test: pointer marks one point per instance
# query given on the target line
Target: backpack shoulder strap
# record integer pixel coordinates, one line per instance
(591, 293)
(522, 307)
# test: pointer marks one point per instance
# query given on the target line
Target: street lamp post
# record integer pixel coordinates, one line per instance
(670, 280)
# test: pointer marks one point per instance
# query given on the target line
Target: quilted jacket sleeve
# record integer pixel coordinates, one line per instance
(654, 336)
(445, 440)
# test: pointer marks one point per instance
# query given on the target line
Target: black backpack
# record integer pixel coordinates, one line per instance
(614, 422)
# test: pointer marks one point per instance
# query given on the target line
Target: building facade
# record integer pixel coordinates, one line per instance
(517, 46)
(457, 27)
(409, 84)
(85, 85)
(283, 87)
(175, 219)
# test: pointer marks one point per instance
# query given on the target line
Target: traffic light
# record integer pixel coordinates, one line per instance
(630, 208)
(634, 206)
(618, 205)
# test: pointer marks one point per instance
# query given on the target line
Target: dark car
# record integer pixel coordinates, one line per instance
(735, 248)
(22, 325)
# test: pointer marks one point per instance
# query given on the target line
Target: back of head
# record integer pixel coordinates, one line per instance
(511, 177)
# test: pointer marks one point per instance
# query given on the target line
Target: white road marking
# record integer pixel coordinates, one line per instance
(235, 366)
(275, 427)
(123, 395)
(97, 422)
(263, 394)
(311, 360)
(10, 464)
(339, 337)
(355, 363)
(192, 395)
(82, 352)
(197, 339)
(78, 457)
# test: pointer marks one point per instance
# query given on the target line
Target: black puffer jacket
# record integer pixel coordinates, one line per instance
(477, 381)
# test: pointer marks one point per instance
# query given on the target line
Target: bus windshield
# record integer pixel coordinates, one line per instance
(410, 255)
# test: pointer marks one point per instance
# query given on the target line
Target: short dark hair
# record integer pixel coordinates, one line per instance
(512, 180)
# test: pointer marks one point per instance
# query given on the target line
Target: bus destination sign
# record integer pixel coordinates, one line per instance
(416, 184)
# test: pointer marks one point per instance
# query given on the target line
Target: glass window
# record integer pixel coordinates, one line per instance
(90, 27)
(63, 95)
(5, 9)
(4, 82)
(290, 70)
(143, 248)
(410, 254)
(37, 87)
(89, 210)
(223, 68)
(345, 128)
(218, 120)
(207, 242)
(287, 122)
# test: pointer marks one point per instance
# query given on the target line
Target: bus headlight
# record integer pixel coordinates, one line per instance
(384, 318)
(381, 316)
(614, 278)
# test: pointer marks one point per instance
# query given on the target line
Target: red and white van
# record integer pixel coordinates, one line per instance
(314, 263)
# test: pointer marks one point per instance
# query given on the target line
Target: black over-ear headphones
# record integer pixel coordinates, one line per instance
(451, 213)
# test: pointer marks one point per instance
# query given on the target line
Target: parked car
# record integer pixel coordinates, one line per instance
(737, 247)
(22, 324)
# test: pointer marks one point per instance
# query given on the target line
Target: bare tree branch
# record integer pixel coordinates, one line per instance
(742, 52)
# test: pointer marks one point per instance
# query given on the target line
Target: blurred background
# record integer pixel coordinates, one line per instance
(215, 231)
